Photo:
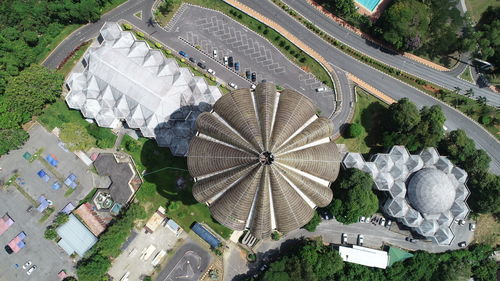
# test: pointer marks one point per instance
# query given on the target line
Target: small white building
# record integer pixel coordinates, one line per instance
(364, 256)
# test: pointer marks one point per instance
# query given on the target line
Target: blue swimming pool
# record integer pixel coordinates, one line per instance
(369, 4)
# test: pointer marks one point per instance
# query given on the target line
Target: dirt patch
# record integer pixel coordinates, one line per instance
(487, 230)
(430, 88)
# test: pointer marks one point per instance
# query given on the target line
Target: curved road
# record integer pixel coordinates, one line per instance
(340, 61)
(444, 79)
(382, 82)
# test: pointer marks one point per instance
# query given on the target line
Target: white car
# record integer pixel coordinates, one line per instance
(344, 238)
(388, 223)
(211, 71)
(462, 244)
(27, 265)
(31, 270)
(360, 239)
(382, 221)
(472, 226)
(226, 62)
(215, 53)
(362, 219)
(321, 89)
(232, 85)
(253, 87)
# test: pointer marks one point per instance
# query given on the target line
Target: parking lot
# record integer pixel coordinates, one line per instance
(23, 194)
(131, 258)
(203, 31)
(188, 264)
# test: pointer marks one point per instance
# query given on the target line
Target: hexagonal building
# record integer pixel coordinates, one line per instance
(426, 191)
(125, 80)
(263, 160)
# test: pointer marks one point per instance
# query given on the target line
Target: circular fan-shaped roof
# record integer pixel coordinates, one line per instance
(263, 160)
(430, 191)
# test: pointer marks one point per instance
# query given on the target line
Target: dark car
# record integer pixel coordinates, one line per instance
(192, 60)
(325, 214)
(247, 73)
(254, 76)
(237, 66)
(230, 61)
(201, 65)
(8, 250)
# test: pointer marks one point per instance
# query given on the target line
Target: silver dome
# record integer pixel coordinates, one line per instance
(430, 191)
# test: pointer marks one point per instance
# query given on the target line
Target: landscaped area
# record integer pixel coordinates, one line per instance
(66, 68)
(368, 113)
(162, 172)
(477, 7)
(487, 230)
(286, 47)
(467, 75)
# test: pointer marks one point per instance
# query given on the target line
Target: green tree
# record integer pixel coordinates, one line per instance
(12, 139)
(50, 233)
(166, 6)
(403, 116)
(342, 8)
(76, 136)
(92, 268)
(354, 196)
(355, 130)
(488, 36)
(61, 218)
(313, 223)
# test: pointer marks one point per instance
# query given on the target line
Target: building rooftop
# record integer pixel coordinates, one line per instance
(120, 174)
(364, 256)
(75, 237)
(263, 160)
(124, 79)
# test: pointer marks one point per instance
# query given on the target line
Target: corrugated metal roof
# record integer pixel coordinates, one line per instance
(75, 237)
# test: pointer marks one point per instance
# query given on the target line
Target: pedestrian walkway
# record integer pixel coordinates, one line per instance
(371, 89)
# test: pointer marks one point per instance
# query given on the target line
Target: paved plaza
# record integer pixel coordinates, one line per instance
(45, 254)
(188, 264)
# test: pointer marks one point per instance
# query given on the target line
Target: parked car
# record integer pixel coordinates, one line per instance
(461, 222)
(360, 239)
(263, 267)
(192, 60)
(230, 61)
(325, 214)
(382, 221)
(211, 71)
(27, 265)
(182, 53)
(225, 60)
(237, 66)
(254, 76)
(362, 219)
(344, 238)
(247, 74)
(215, 53)
(462, 244)
(253, 86)
(472, 226)
(33, 268)
(8, 249)
(409, 239)
(321, 89)
(388, 223)
(202, 65)
(231, 84)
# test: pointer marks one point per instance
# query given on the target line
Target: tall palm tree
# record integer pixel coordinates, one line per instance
(482, 100)
(469, 93)
(457, 90)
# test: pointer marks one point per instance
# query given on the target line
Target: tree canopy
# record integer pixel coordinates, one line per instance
(487, 36)
(313, 223)
(353, 196)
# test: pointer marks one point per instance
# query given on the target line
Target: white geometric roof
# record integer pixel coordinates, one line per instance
(124, 79)
(426, 191)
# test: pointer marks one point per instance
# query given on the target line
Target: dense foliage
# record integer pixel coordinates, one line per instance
(313, 223)
(313, 261)
(353, 196)
(12, 139)
(487, 37)
(27, 27)
(96, 264)
(355, 130)
(406, 125)
(103, 136)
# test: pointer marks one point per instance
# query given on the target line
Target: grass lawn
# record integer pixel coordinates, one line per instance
(163, 19)
(487, 230)
(71, 62)
(59, 113)
(111, 5)
(162, 170)
(287, 48)
(477, 7)
(67, 30)
(467, 75)
(368, 112)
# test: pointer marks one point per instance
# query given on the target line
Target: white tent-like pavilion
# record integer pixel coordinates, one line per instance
(125, 80)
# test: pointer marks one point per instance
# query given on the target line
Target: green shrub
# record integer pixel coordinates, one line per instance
(275, 236)
(485, 120)
(266, 31)
(355, 130)
(131, 145)
(103, 136)
(158, 45)
(127, 26)
(50, 233)
(139, 34)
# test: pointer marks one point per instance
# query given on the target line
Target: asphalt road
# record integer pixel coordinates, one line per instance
(338, 59)
(444, 79)
(188, 263)
(385, 83)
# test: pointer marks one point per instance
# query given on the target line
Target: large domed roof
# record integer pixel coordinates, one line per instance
(263, 160)
(430, 191)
